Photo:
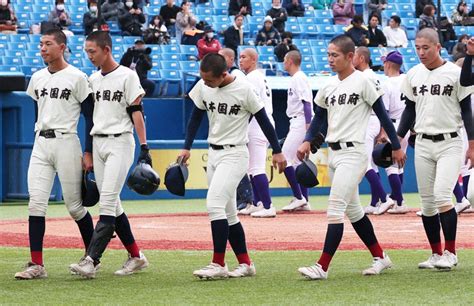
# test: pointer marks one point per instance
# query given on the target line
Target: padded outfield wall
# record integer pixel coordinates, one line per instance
(166, 123)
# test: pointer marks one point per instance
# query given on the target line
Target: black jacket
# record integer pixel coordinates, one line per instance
(376, 38)
(420, 4)
(169, 13)
(89, 22)
(232, 38)
(282, 49)
(235, 5)
(278, 19)
(131, 24)
(142, 60)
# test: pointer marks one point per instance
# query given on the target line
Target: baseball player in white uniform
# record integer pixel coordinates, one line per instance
(300, 111)
(117, 111)
(395, 104)
(229, 102)
(229, 56)
(345, 104)
(379, 203)
(258, 143)
(60, 93)
(438, 105)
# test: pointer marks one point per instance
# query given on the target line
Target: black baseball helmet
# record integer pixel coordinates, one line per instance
(175, 178)
(90, 192)
(382, 155)
(307, 174)
(143, 179)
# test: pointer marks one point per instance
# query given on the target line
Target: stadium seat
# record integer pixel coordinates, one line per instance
(41, 8)
(170, 65)
(35, 38)
(14, 68)
(265, 50)
(171, 82)
(33, 61)
(310, 13)
(319, 50)
(308, 66)
(14, 46)
(87, 63)
(189, 66)
(221, 18)
(318, 43)
(77, 39)
(307, 20)
(305, 50)
(19, 38)
(323, 13)
(29, 70)
(169, 49)
(76, 62)
(327, 30)
(130, 40)
(322, 67)
(295, 29)
(170, 56)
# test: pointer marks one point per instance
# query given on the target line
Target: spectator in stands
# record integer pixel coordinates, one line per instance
(90, 19)
(60, 17)
(459, 50)
(396, 36)
(137, 58)
(376, 36)
(358, 32)
(169, 12)
(322, 4)
(427, 19)
(294, 8)
(157, 33)
(131, 20)
(111, 9)
(460, 16)
(208, 43)
(420, 5)
(278, 14)
(285, 46)
(268, 35)
(343, 11)
(240, 7)
(376, 7)
(234, 35)
(185, 20)
(7, 18)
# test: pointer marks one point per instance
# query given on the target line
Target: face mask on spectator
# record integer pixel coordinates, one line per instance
(129, 4)
(60, 7)
(277, 6)
(210, 35)
(93, 9)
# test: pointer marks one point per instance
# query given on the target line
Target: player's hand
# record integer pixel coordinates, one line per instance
(279, 161)
(382, 137)
(470, 46)
(399, 157)
(470, 154)
(145, 155)
(87, 163)
(185, 155)
(303, 150)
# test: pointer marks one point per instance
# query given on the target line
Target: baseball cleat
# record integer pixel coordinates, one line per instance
(212, 271)
(84, 268)
(419, 213)
(378, 265)
(32, 271)
(251, 209)
(370, 210)
(294, 204)
(314, 272)
(462, 206)
(430, 263)
(384, 206)
(97, 266)
(306, 207)
(398, 209)
(447, 261)
(132, 265)
(265, 213)
(243, 270)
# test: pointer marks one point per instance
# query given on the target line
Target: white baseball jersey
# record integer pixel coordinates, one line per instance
(228, 110)
(299, 90)
(436, 94)
(113, 93)
(237, 73)
(259, 83)
(393, 97)
(349, 104)
(371, 75)
(59, 96)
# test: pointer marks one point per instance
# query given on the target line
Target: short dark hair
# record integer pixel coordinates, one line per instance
(214, 62)
(358, 19)
(344, 43)
(58, 34)
(427, 9)
(295, 57)
(238, 15)
(396, 19)
(101, 38)
(364, 52)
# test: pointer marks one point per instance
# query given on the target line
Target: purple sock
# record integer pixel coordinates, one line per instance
(304, 192)
(291, 178)
(458, 193)
(465, 183)
(260, 183)
(256, 196)
(401, 178)
(396, 185)
(376, 186)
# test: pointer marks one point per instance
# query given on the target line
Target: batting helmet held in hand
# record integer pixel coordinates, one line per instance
(175, 178)
(382, 155)
(90, 192)
(307, 174)
(143, 179)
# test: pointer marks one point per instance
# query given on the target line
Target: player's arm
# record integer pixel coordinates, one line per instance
(408, 118)
(466, 114)
(466, 71)
(319, 122)
(136, 113)
(267, 128)
(87, 109)
(193, 125)
(307, 112)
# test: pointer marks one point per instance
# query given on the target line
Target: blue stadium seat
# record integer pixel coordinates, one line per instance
(154, 75)
(35, 38)
(308, 67)
(117, 56)
(29, 70)
(41, 8)
(265, 50)
(221, 18)
(203, 11)
(88, 70)
(188, 50)
(269, 58)
(19, 38)
(321, 50)
(27, 7)
(323, 13)
(206, 18)
(11, 60)
(171, 65)
(318, 43)
(327, 30)
(87, 63)
(76, 62)
(171, 82)
(310, 13)
(18, 45)
(306, 50)
(38, 17)
(411, 59)
(408, 66)
(300, 42)
(77, 39)
(33, 61)
(220, 26)
(322, 67)
(76, 2)
(407, 51)
(307, 20)
(77, 47)
(258, 12)
(78, 9)
(77, 18)
(295, 29)
(410, 23)
(189, 66)
(171, 56)
(339, 28)
(4, 38)
(130, 40)
(407, 14)
(14, 68)
(170, 49)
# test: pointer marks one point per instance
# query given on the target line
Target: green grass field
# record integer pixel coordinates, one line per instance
(169, 278)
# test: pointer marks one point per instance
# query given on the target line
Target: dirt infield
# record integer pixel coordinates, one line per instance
(191, 231)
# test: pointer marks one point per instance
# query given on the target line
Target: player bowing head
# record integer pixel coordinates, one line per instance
(341, 51)
(99, 48)
(52, 46)
(214, 71)
(428, 47)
